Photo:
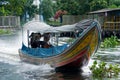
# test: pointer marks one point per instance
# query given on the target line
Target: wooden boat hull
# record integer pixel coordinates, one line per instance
(76, 56)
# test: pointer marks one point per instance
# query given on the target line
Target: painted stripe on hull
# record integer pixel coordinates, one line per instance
(73, 58)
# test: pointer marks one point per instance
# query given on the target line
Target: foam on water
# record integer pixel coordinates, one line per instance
(24, 67)
(9, 53)
(9, 45)
(113, 51)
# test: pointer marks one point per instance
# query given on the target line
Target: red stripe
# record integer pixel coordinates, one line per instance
(72, 59)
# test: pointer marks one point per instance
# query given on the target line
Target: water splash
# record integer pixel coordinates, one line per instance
(9, 48)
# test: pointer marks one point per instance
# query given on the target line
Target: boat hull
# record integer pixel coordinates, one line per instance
(74, 57)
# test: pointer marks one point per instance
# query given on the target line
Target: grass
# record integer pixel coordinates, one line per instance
(53, 23)
(5, 31)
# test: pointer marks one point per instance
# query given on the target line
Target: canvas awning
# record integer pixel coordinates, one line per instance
(44, 28)
(36, 26)
(64, 28)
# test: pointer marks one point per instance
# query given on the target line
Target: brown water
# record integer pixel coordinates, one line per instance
(11, 67)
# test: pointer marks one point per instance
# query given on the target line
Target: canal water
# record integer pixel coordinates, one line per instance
(12, 68)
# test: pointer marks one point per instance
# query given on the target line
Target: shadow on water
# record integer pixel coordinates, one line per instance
(68, 76)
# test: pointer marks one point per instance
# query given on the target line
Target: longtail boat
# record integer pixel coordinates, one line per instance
(73, 53)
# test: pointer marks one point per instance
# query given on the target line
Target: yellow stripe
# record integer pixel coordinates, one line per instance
(79, 47)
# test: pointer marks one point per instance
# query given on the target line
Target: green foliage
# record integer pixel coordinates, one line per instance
(112, 6)
(98, 4)
(3, 11)
(2, 31)
(17, 8)
(116, 2)
(103, 70)
(73, 7)
(30, 8)
(101, 4)
(46, 9)
(110, 42)
(77, 7)
(53, 23)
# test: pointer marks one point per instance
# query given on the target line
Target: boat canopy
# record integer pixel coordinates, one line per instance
(84, 24)
(45, 28)
(82, 27)
(64, 28)
(42, 27)
(37, 26)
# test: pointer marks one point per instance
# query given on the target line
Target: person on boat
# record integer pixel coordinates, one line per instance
(46, 43)
(35, 40)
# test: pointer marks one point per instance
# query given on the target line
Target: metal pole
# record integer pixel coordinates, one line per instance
(28, 37)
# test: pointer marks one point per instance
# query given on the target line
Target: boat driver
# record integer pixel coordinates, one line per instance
(35, 40)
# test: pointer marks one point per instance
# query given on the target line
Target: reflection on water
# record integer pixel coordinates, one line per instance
(11, 67)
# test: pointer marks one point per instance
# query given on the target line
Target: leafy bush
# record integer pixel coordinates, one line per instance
(2, 31)
(102, 70)
(110, 42)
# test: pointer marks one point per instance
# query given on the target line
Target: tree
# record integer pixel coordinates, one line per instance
(98, 4)
(30, 9)
(116, 2)
(73, 7)
(16, 6)
(3, 8)
(46, 9)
